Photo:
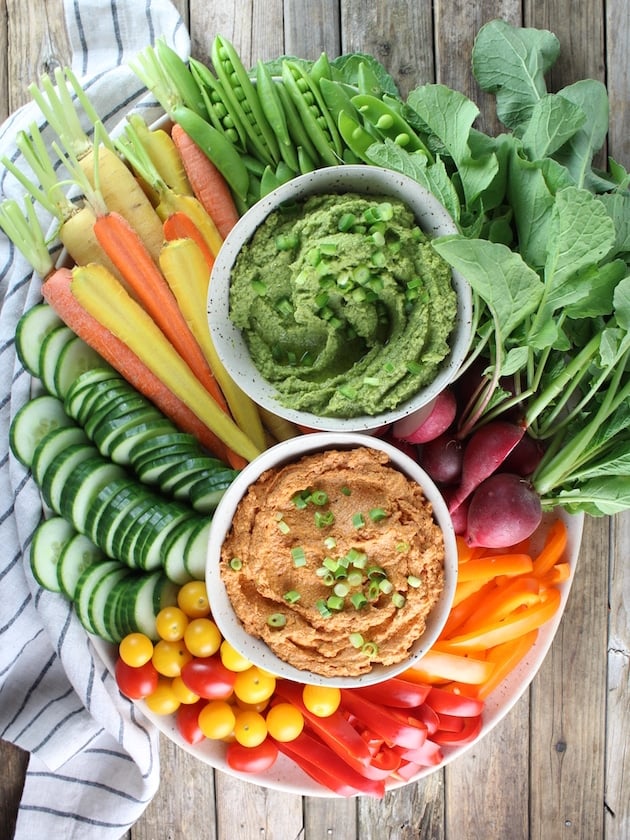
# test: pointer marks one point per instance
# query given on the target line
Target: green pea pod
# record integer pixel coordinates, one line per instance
(273, 178)
(367, 81)
(312, 109)
(217, 147)
(271, 104)
(389, 123)
(181, 76)
(305, 161)
(337, 97)
(320, 69)
(243, 100)
(219, 113)
(294, 123)
(355, 136)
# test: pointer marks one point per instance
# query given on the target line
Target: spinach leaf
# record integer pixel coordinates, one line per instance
(553, 122)
(577, 154)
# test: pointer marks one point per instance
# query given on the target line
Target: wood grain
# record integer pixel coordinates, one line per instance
(558, 766)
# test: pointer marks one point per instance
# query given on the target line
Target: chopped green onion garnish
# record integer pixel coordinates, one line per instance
(346, 222)
(370, 649)
(330, 542)
(376, 572)
(299, 558)
(414, 367)
(374, 590)
(341, 589)
(355, 578)
(414, 581)
(358, 600)
(357, 520)
(346, 491)
(283, 526)
(385, 586)
(277, 620)
(322, 519)
(335, 603)
(356, 640)
(357, 558)
(376, 514)
(286, 241)
(291, 597)
(398, 600)
(402, 547)
(322, 608)
(330, 563)
(259, 287)
(319, 497)
(236, 564)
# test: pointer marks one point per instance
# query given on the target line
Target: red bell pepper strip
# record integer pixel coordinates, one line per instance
(396, 692)
(471, 729)
(451, 723)
(429, 755)
(323, 765)
(447, 702)
(390, 724)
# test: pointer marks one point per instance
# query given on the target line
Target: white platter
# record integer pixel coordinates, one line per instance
(287, 777)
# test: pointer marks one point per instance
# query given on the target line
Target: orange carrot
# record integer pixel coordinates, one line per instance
(208, 184)
(180, 226)
(128, 253)
(57, 293)
(505, 658)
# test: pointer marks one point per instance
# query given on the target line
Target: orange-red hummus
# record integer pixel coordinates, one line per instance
(335, 561)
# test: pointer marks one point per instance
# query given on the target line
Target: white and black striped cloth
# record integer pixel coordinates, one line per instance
(93, 758)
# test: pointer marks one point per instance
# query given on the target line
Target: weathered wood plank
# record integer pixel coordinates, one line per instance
(414, 811)
(616, 799)
(618, 79)
(251, 812)
(13, 762)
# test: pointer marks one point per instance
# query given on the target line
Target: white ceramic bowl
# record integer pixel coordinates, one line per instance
(228, 339)
(255, 649)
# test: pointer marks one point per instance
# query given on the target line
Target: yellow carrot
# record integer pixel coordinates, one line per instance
(164, 155)
(100, 294)
(185, 269)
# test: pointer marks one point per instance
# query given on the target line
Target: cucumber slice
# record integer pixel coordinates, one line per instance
(74, 359)
(32, 422)
(86, 391)
(101, 411)
(196, 551)
(206, 493)
(151, 469)
(56, 441)
(76, 556)
(173, 550)
(49, 540)
(154, 447)
(144, 599)
(126, 530)
(105, 503)
(98, 603)
(50, 352)
(30, 332)
(86, 586)
(188, 468)
(112, 528)
(59, 471)
(123, 439)
(149, 547)
(83, 487)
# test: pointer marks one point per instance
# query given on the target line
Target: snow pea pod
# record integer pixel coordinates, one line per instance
(176, 69)
(312, 109)
(243, 100)
(294, 123)
(338, 97)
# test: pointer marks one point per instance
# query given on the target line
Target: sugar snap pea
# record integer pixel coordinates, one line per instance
(338, 97)
(243, 100)
(180, 74)
(273, 110)
(218, 112)
(320, 69)
(388, 122)
(273, 178)
(312, 109)
(294, 123)
(356, 137)
(305, 161)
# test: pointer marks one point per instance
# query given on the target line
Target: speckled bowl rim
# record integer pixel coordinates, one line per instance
(255, 649)
(228, 340)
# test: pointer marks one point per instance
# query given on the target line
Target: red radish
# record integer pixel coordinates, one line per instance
(439, 418)
(485, 451)
(503, 510)
(459, 518)
(442, 458)
(525, 456)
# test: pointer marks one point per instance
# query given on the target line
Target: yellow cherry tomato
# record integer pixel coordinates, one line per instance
(232, 659)
(202, 637)
(253, 707)
(135, 649)
(163, 700)
(254, 685)
(284, 722)
(182, 692)
(192, 598)
(250, 728)
(171, 623)
(170, 657)
(217, 719)
(321, 700)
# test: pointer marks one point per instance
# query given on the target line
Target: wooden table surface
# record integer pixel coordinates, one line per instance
(558, 766)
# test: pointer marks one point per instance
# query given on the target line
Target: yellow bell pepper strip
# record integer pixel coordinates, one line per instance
(438, 666)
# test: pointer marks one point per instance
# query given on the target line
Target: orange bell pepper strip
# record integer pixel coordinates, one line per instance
(485, 568)
(505, 658)
(462, 609)
(510, 628)
(553, 549)
(504, 599)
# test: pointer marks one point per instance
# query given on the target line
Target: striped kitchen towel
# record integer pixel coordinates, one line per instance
(94, 762)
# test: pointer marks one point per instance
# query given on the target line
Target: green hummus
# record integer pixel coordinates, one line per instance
(344, 305)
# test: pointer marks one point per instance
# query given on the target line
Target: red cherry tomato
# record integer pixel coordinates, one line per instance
(136, 683)
(187, 720)
(251, 759)
(208, 677)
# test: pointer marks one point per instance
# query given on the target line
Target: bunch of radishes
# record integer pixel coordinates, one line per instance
(484, 476)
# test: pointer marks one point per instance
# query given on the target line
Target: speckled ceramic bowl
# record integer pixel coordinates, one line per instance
(257, 650)
(228, 339)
